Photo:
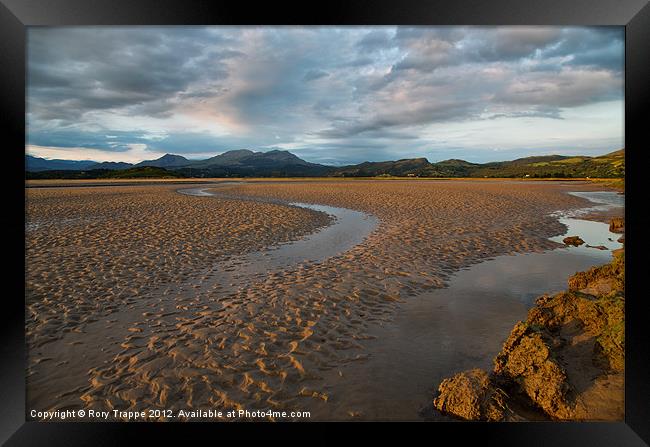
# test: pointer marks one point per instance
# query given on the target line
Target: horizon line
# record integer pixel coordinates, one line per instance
(27, 153)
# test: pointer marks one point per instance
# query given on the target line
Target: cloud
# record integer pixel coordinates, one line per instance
(417, 114)
(312, 75)
(600, 47)
(381, 92)
(515, 42)
(78, 70)
(537, 112)
(113, 141)
(568, 88)
(376, 40)
(134, 154)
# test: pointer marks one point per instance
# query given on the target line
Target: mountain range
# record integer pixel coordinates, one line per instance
(278, 163)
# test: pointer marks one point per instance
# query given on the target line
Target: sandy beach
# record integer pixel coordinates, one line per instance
(138, 297)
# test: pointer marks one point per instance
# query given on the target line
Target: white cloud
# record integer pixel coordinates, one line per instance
(99, 92)
(135, 153)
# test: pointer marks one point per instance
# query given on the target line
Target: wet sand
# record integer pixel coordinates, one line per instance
(138, 297)
(455, 328)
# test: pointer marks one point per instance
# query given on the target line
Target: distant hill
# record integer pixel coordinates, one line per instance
(611, 165)
(166, 161)
(230, 158)
(278, 163)
(409, 167)
(254, 160)
(246, 163)
(111, 165)
(605, 166)
(138, 172)
(539, 159)
(370, 169)
(35, 164)
(450, 168)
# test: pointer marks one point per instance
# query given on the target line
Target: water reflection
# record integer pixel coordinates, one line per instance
(463, 326)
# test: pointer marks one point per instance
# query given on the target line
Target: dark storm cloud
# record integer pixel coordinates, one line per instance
(377, 91)
(88, 69)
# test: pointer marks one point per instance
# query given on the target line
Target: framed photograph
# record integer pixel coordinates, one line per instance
(361, 213)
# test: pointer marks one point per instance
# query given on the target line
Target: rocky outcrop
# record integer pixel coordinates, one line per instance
(527, 361)
(471, 395)
(617, 225)
(573, 240)
(612, 273)
(566, 361)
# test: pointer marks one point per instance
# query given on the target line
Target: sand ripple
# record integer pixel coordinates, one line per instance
(188, 333)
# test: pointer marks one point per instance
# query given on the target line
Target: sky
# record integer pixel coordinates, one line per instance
(331, 95)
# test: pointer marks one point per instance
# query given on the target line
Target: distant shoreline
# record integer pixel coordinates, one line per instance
(616, 183)
(283, 164)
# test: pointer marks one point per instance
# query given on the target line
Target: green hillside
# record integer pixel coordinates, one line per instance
(547, 166)
(245, 163)
(374, 169)
(605, 166)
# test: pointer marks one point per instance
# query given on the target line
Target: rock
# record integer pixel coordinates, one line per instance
(471, 395)
(566, 360)
(617, 225)
(610, 341)
(614, 272)
(598, 247)
(621, 239)
(601, 286)
(573, 240)
(526, 360)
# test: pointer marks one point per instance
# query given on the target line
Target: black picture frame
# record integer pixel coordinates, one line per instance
(16, 15)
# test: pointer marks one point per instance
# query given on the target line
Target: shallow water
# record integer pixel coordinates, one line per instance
(432, 336)
(349, 228)
(603, 200)
(439, 333)
(59, 372)
(595, 234)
